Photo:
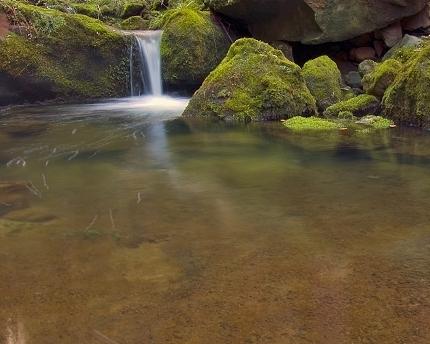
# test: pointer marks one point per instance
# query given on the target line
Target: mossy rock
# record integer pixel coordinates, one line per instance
(366, 125)
(90, 10)
(134, 23)
(359, 106)
(132, 9)
(324, 80)
(299, 123)
(407, 100)
(192, 45)
(61, 55)
(375, 122)
(377, 81)
(253, 82)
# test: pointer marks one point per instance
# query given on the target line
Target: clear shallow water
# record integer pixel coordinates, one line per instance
(122, 225)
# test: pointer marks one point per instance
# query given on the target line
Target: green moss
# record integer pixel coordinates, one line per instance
(254, 81)
(132, 9)
(377, 81)
(359, 106)
(90, 10)
(324, 80)
(378, 122)
(134, 23)
(299, 123)
(192, 45)
(69, 55)
(407, 100)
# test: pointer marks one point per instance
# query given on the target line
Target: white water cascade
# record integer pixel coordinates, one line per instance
(146, 83)
(148, 43)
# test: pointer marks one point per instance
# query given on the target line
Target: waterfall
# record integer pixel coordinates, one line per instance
(149, 64)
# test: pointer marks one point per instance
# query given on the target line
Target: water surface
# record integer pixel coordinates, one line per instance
(123, 224)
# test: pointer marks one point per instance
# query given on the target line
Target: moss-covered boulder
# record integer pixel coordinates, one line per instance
(131, 9)
(324, 80)
(58, 55)
(134, 23)
(377, 81)
(254, 82)
(359, 106)
(407, 100)
(192, 45)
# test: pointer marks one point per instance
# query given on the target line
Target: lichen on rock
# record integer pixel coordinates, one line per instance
(253, 82)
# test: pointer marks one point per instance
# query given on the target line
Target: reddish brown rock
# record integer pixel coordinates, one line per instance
(418, 21)
(362, 53)
(379, 48)
(4, 25)
(392, 34)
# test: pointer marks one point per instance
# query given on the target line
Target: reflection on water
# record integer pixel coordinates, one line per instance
(123, 225)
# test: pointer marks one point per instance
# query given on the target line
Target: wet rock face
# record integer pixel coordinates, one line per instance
(316, 21)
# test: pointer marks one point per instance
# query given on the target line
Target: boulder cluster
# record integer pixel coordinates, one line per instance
(244, 60)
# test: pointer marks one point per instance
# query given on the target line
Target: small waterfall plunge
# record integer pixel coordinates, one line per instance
(149, 64)
(146, 83)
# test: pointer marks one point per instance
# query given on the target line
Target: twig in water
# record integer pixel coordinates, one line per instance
(46, 162)
(45, 184)
(139, 198)
(74, 131)
(112, 220)
(74, 155)
(16, 161)
(104, 338)
(33, 189)
(93, 221)
(93, 155)
(6, 204)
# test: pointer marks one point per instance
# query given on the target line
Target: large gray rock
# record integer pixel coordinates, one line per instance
(315, 21)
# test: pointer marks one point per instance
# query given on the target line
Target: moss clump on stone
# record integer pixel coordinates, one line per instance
(407, 100)
(377, 81)
(300, 123)
(192, 45)
(62, 55)
(253, 82)
(131, 9)
(324, 80)
(88, 9)
(375, 122)
(359, 106)
(134, 23)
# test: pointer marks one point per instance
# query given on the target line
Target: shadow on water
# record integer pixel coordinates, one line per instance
(122, 223)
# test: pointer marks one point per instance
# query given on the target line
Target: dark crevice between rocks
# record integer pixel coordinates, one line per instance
(19, 91)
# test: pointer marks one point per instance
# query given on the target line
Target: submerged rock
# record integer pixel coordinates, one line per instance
(58, 55)
(192, 45)
(315, 21)
(13, 196)
(324, 81)
(254, 82)
(377, 81)
(407, 100)
(359, 106)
